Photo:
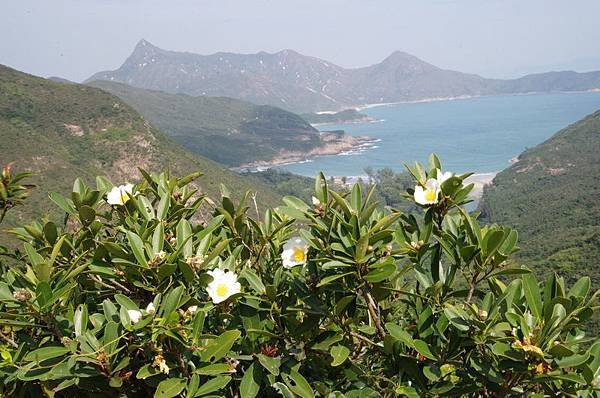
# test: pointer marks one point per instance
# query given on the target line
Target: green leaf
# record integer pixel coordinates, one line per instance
(250, 384)
(270, 363)
(573, 360)
(197, 326)
(328, 279)
(298, 384)
(184, 238)
(339, 354)
(423, 349)
(44, 353)
(86, 215)
(163, 206)
(80, 319)
(356, 198)
(137, 247)
(158, 238)
(361, 248)
(493, 240)
(145, 207)
(531, 290)
(169, 388)
(147, 371)
(212, 385)
(510, 271)
(126, 302)
(220, 346)
(213, 369)
(581, 288)
(171, 302)
(253, 280)
(457, 317)
(43, 293)
(65, 204)
(399, 333)
(380, 272)
(321, 188)
(296, 203)
(434, 162)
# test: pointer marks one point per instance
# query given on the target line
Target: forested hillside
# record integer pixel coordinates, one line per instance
(550, 195)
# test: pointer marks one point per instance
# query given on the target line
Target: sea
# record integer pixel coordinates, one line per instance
(480, 134)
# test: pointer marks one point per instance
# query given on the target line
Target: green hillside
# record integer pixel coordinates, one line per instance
(62, 131)
(227, 130)
(551, 197)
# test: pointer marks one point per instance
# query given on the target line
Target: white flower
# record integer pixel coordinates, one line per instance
(315, 201)
(150, 309)
(119, 195)
(441, 177)
(192, 310)
(134, 315)
(429, 194)
(162, 365)
(294, 252)
(223, 285)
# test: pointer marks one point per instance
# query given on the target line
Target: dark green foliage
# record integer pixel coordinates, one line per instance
(337, 298)
(226, 130)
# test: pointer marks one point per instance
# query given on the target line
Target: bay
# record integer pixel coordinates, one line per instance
(479, 134)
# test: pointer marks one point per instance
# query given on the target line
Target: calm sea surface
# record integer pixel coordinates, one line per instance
(477, 134)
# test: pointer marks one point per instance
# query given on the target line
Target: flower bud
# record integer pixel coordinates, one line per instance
(21, 295)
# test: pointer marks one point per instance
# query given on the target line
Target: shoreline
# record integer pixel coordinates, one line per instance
(465, 97)
(420, 101)
(355, 121)
(347, 145)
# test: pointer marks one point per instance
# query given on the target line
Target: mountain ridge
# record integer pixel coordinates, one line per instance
(300, 83)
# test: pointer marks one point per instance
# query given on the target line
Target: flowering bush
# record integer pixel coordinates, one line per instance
(133, 296)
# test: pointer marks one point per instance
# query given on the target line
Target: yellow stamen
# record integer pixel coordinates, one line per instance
(299, 255)
(124, 197)
(222, 290)
(430, 195)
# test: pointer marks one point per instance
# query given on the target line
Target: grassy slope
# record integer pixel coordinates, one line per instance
(551, 197)
(227, 130)
(64, 131)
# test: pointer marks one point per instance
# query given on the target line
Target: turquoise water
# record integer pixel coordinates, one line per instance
(477, 134)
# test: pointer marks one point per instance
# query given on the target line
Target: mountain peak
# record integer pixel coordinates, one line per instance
(144, 46)
(402, 57)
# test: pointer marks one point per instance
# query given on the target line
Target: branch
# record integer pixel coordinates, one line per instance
(372, 307)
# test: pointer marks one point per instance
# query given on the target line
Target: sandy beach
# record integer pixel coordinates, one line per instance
(480, 180)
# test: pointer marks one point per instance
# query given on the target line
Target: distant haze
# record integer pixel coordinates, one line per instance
(494, 38)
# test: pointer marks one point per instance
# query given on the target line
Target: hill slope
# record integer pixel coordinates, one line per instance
(227, 130)
(305, 84)
(63, 131)
(551, 197)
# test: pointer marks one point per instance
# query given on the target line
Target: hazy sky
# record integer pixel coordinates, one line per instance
(495, 38)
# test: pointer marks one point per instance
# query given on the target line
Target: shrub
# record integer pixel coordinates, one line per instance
(339, 298)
